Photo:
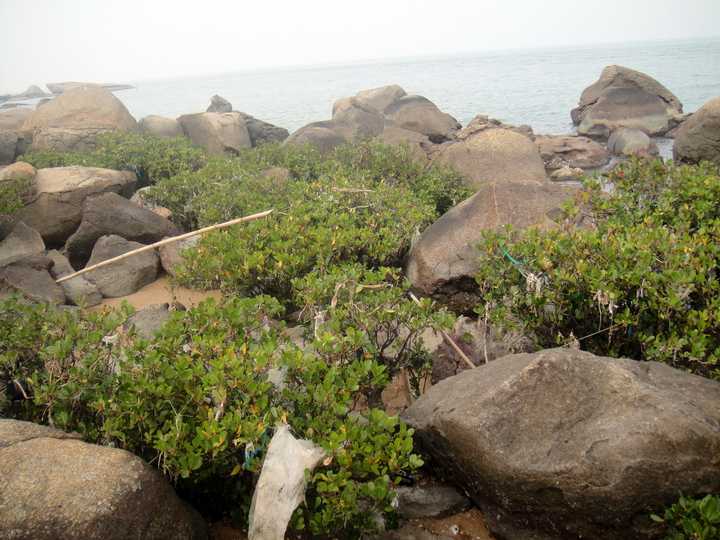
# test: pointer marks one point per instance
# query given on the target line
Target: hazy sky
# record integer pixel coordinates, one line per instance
(117, 41)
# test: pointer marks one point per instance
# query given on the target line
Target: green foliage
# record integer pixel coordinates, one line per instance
(150, 158)
(643, 283)
(692, 519)
(196, 401)
(12, 194)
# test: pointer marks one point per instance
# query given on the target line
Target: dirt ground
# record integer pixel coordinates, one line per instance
(160, 292)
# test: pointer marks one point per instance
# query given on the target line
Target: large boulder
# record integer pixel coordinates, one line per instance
(219, 104)
(495, 155)
(631, 142)
(78, 290)
(418, 113)
(109, 213)
(483, 122)
(558, 151)
(30, 279)
(19, 178)
(218, 133)
(570, 445)
(56, 209)
(263, 132)
(418, 144)
(356, 120)
(378, 98)
(8, 146)
(698, 138)
(22, 242)
(325, 136)
(624, 97)
(13, 119)
(160, 126)
(73, 120)
(126, 276)
(444, 261)
(57, 486)
(171, 255)
(12, 138)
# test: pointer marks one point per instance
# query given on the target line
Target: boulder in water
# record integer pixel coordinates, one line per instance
(631, 142)
(558, 151)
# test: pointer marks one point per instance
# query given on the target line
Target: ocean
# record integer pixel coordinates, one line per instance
(536, 87)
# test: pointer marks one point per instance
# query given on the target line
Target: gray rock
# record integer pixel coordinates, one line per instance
(430, 501)
(631, 142)
(558, 151)
(412, 531)
(126, 276)
(698, 138)
(109, 213)
(378, 98)
(30, 278)
(356, 120)
(171, 255)
(418, 113)
(22, 242)
(14, 119)
(8, 146)
(160, 126)
(149, 320)
(57, 207)
(482, 122)
(217, 133)
(57, 486)
(219, 104)
(572, 445)
(324, 136)
(567, 174)
(78, 290)
(263, 132)
(417, 143)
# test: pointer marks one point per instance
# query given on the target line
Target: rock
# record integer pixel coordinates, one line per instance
(109, 213)
(20, 178)
(126, 276)
(14, 119)
(559, 151)
(161, 126)
(324, 136)
(22, 242)
(631, 142)
(444, 261)
(57, 486)
(56, 210)
(417, 143)
(30, 279)
(430, 501)
(417, 113)
(570, 444)
(149, 320)
(171, 254)
(32, 92)
(483, 122)
(8, 146)
(72, 121)
(140, 199)
(357, 121)
(219, 104)
(698, 138)
(567, 174)
(379, 98)
(279, 176)
(62, 87)
(263, 132)
(412, 531)
(78, 290)
(496, 155)
(218, 133)
(624, 97)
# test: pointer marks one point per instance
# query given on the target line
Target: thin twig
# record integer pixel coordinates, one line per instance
(165, 242)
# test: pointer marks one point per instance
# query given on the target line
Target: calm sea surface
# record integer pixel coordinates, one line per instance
(535, 87)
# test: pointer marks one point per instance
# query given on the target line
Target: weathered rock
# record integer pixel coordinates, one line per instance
(483, 122)
(8, 146)
(141, 199)
(263, 132)
(430, 501)
(567, 174)
(73, 120)
(444, 261)
(570, 444)
(219, 104)
(161, 126)
(57, 207)
(149, 320)
(14, 119)
(358, 121)
(380, 98)
(324, 136)
(78, 290)
(417, 143)
(22, 242)
(698, 138)
(171, 254)
(57, 486)
(495, 155)
(417, 113)
(126, 276)
(20, 177)
(218, 133)
(109, 213)
(62, 87)
(631, 142)
(624, 97)
(559, 151)
(32, 92)
(29, 277)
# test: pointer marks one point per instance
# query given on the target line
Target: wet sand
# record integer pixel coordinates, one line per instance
(159, 292)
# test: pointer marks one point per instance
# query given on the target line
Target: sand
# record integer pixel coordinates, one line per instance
(160, 292)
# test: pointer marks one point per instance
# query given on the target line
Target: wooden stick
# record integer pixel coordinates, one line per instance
(449, 340)
(165, 242)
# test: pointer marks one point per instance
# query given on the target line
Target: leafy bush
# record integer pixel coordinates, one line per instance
(12, 195)
(643, 283)
(150, 158)
(692, 519)
(196, 401)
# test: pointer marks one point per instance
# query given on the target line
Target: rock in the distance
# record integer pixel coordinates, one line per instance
(418, 113)
(263, 132)
(698, 138)
(631, 142)
(559, 151)
(57, 486)
(126, 276)
(325, 136)
(217, 133)
(160, 126)
(573, 445)
(219, 104)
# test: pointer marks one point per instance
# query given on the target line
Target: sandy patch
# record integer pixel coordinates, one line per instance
(159, 292)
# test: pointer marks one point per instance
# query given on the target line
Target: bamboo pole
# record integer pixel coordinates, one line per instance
(106, 262)
(450, 341)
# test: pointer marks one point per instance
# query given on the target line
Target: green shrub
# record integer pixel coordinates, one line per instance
(150, 158)
(12, 195)
(196, 402)
(692, 519)
(642, 284)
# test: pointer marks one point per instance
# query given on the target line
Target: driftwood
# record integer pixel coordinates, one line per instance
(164, 243)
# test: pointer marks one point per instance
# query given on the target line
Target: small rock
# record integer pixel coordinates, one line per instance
(126, 276)
(78, 290)
(31, 281)
(219, 104)
(171, 254)
(149, 320)
(430, 501)
(160, 126)
(20, 243)
(631, 142)
(567, 174)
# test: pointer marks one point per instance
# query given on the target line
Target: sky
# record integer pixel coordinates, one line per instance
(131, 40)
